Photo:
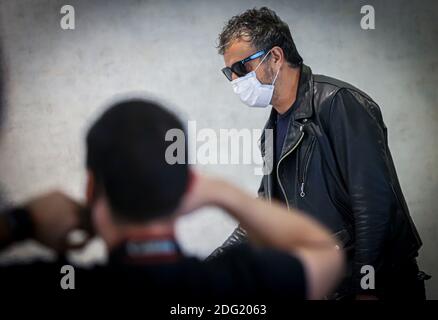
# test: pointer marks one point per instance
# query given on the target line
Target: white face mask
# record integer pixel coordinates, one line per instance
(251, 91)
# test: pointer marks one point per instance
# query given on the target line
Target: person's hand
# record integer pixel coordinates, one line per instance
(54, 216)
(202, 191)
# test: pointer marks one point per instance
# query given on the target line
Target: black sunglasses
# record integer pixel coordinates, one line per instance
(239, 67)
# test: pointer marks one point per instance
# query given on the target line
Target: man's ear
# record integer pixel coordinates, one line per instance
(90, 191)
(277, 55)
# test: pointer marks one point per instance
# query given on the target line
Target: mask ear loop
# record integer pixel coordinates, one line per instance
(262, 60)
(276, 75)
(278, 71)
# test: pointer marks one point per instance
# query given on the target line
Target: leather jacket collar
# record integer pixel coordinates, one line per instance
(303, 110)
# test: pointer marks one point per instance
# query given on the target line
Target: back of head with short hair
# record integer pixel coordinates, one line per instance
(126, 154)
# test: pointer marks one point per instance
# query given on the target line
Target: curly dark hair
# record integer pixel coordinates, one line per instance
(264, 29)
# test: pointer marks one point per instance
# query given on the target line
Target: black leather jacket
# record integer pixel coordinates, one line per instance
(336, 166)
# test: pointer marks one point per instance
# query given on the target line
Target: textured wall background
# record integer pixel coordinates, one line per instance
(59, 81)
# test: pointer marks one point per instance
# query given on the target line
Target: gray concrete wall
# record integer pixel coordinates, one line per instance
(59, 80)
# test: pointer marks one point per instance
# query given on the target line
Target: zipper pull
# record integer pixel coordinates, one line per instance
(302, 194)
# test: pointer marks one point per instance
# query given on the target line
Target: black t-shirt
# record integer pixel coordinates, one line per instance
(243, 272)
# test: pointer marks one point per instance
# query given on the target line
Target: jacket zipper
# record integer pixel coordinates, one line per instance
(278, 165)
(306, 167)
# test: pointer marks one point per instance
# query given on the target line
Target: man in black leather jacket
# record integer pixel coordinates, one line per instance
(330, 157)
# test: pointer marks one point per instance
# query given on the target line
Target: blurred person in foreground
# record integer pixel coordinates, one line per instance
(134, 197)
